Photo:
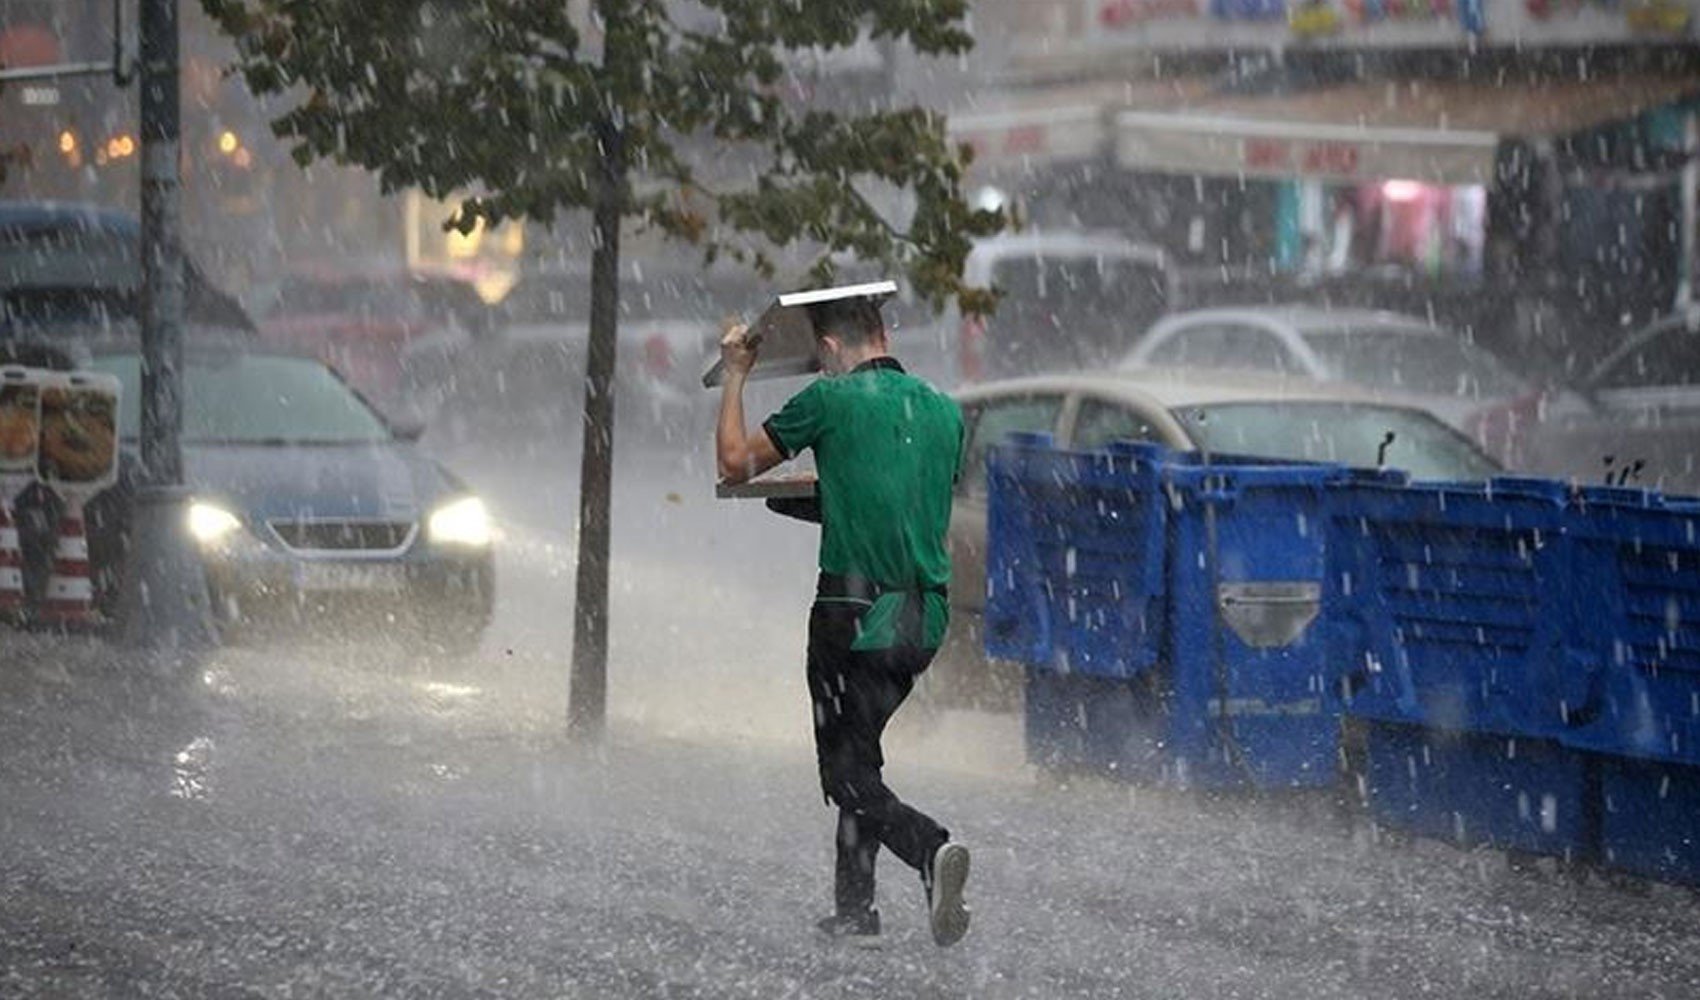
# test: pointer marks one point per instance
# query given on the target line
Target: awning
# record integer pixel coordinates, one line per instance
(1056, 125)
(1439, 132)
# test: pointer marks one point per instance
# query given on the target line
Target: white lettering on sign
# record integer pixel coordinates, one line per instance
(40, 97)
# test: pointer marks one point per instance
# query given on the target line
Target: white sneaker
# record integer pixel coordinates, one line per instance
(944, 897)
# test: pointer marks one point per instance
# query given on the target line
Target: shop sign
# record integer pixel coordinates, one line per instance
(1249, 10)
(1261, 147)
(1304, 159)
(1322, 18)
(1656, 17)
(1034, 135)
(1126, 13)
(1659, 17)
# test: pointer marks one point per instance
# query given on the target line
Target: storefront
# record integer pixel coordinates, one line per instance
(1569, 188)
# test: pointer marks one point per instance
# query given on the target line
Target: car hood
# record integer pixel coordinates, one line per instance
(388, 481)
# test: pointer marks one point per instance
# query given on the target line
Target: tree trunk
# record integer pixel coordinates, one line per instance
(588, 696)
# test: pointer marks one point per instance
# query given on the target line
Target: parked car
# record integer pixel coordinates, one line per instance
(531, 375)
(310, 508)
(1465, 385)
(1641, 421)
(1070, 300)
(1187, 410)
(69, 269)
(398, 336)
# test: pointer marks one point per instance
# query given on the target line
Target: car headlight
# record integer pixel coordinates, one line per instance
(462, 522)
(211, 524)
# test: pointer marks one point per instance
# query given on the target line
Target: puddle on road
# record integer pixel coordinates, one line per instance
(191, 771)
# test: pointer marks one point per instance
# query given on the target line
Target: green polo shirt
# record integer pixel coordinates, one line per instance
(887, 450)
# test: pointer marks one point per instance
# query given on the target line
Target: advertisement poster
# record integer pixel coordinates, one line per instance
(20, 421)
(79, 432)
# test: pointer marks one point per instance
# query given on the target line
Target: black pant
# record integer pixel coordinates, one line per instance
(854, 695)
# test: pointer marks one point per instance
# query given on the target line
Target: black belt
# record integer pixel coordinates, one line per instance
(910, 620)
(859, 588)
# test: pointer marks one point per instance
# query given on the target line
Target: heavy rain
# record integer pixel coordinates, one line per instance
(475, 476)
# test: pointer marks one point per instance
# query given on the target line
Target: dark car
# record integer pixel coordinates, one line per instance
(308, 507)
(73, 269)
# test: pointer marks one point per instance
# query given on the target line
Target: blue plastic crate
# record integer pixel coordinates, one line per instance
(1253, 698)
(1017, 613)
(1476, 788)
(1454, 605)
(1112, 726)
(1075, 558)
(1638, 622)
(1650, 818)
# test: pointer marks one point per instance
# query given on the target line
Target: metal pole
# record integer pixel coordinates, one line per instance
(165, 601)
(1690, 215)
(162, 246)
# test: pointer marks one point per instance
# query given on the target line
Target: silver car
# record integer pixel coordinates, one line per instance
(1465, 385)
(1642, 424)
(1187, 410)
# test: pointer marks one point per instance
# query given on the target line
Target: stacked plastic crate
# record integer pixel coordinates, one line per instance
(1636, 617)
(1452, 619)
(1075, 591)
(1513, 663)
(1167, 611)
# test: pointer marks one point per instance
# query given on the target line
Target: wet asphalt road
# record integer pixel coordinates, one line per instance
(337, 820)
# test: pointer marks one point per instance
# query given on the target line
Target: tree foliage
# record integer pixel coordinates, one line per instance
(518, 102)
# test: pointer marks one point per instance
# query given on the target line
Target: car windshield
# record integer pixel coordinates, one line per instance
(1348, 433)
(241, 398)
(1412, 359)
(69, 255)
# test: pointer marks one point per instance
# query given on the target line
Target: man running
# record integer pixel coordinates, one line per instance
(887, 450)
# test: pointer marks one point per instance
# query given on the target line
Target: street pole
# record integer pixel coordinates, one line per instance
(162, 246)
(1690, 208)
(164, 603)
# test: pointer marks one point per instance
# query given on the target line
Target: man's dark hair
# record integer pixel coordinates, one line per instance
(853, 321)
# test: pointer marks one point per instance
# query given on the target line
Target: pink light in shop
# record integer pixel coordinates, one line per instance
(1402, 191)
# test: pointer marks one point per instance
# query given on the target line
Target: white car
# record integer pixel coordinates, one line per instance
(1465, 385)
(1186, 410)
(1071, 300)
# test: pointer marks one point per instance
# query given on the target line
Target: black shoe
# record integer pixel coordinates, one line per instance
(859, 929)
(946, 877)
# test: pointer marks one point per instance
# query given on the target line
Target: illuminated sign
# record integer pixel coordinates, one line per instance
(39, 97)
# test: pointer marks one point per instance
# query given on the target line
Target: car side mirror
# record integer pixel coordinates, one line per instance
(410, 430)
(407, 425)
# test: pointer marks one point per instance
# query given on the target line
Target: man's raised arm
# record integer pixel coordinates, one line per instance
(740, 455)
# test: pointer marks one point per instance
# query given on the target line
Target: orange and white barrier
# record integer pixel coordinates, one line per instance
(20, 433)
(11, 559)
(69, 600)
(58, 430)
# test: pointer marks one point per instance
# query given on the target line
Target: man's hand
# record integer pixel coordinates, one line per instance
(737, 348)
(739, 455)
